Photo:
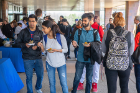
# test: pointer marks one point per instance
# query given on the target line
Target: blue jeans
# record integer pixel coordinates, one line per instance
(79, 71)
(75, 52)
(62, 72)
(29, 65)
(137, 75)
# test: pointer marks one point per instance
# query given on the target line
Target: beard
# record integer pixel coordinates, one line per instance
(85, 25)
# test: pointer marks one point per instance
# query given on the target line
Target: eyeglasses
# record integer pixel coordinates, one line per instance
(31, 21)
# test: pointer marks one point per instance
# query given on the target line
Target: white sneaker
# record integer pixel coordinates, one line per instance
(39, 91)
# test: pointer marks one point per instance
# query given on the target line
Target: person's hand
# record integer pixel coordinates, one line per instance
(87, 45)
(54, 50)
(27, 45)
(51, 51)
(34, 47)
(74, 43)
(39, 44)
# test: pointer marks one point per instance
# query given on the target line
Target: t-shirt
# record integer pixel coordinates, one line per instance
(32, 34)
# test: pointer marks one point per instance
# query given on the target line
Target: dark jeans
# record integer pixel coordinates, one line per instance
(29, 65)
(68, 44)
(79, 71)
(111, 76)
(137, 75)
(75, 52)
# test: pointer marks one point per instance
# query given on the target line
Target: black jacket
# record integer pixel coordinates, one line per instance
(138, 29)
(8, 31)
(67, 30)
(23, 38)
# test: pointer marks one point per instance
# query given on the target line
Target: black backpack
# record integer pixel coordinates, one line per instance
(136, 55)
(96, 49)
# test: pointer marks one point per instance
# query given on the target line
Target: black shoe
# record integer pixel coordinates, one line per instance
(69, 57)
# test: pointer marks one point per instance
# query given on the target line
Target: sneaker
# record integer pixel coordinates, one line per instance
(34, 73)
(38, 91)
(80, 86)
(94, 87)
(69, 57)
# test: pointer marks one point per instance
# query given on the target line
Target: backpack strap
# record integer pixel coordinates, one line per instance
(125, 33)
(113, 32)
(58, 38)
(45, 39)
(95, 34)
(79, 34)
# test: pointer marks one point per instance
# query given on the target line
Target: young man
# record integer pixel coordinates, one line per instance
(38, 13)
(108, 25)
(24, 21)
(67, 30)
(96, 66)
(76, 22)
(137, 66)
(60, 23)
(31, 53)
(86, 36)
(17, 30)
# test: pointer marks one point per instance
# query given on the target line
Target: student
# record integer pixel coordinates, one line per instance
(78, 26)
(31, 54)
(9, 29)
(24, 22)
(114, 55)
(57, 42)
(67, 30)
(86, 36)
(137, 39)
(38, 13)
(17, 30)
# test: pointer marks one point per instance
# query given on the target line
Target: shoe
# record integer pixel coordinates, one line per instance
(94, 87)
(34, 73)
(80, 86)
(69, 57)
(39, 91)
(76, 59)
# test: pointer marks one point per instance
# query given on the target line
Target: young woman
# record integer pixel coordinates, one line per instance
(55, 58)
(111, 74)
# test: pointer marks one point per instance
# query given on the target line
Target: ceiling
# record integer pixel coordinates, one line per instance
(69, 5)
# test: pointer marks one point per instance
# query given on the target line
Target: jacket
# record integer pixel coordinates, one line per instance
(138, 29)
(67, 30)
(73, 32)
(84, 37)
(8, 31)
(23, 38)
(39, 23)
(107, 38)
(101, 32)
(137, 39)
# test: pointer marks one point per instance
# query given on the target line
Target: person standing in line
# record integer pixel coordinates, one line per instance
(115, 54)
(67, 30)
(55, 41)
(31, 53)
(137, 39)
(38, 13)
(86, 36)
(109, 24)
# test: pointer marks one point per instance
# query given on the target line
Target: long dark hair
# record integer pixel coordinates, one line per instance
(55, 28)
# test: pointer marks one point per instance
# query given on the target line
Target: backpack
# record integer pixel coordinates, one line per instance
(39, 23)
(118, 56)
